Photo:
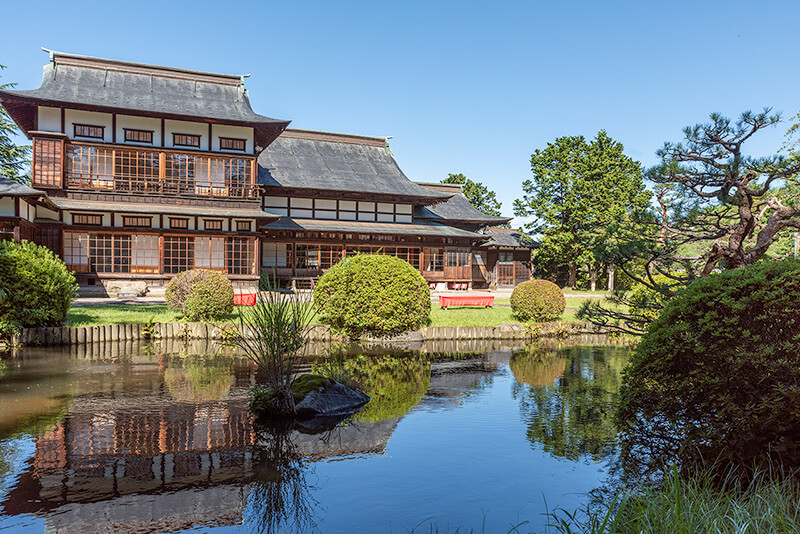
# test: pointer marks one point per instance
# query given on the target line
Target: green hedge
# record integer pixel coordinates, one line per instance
(538, 300)
(200, 295)
(36, 288)
(716, 378)
(373, 295)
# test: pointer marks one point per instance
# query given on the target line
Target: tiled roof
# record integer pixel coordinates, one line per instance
(336, 162)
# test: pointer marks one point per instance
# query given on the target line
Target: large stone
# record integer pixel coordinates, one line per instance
(332, 399)
(126, 288)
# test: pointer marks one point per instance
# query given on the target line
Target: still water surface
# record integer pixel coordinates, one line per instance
(136, 439)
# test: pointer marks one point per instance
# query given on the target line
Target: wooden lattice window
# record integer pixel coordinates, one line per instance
(186, 140)
(138, 222)
(212, 224)
(209, 253)
(88, 130)
(230, 143)
(178, 223)
(241, 255)
(243, 226)
(47, 162)
(87, 220)
(434, 259)
(138, 136)
(178, 254)
(90, 167)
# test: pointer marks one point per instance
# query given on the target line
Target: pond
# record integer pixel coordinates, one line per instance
(158, 438)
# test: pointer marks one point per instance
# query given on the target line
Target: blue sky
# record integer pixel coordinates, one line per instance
(470, 87)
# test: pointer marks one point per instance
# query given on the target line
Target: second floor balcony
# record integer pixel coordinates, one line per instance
(58, 164)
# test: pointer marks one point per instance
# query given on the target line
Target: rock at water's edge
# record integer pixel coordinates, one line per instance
(336, 398)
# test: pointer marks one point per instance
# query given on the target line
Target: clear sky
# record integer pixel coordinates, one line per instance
(469, 87)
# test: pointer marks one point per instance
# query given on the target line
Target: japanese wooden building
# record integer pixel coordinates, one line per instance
(142, 171)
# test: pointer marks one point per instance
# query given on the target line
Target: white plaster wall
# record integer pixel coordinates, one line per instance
(94, 118)
(27, 211)
(403, 208)
(402, 218)
(184, 127)
(306, 203)
(274, 202)
(236, 132)
(138, 123)
(49, 119)
(7, 206)
(45, 213)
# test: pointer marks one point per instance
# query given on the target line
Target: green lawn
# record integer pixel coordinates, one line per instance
(129, 313)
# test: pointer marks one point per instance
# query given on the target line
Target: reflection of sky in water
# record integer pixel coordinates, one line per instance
(461, 457)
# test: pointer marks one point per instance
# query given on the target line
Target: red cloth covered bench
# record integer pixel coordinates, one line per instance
(244, 299)
(445, 301)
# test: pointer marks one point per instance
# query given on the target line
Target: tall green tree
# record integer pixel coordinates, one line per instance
(719, 209)
(15, 160)
(577, 190)
(478, 194)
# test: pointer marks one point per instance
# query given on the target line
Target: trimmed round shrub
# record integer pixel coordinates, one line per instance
(716, 378)
(538, 300)
(372, 294)
(200, 295)
(36, 288)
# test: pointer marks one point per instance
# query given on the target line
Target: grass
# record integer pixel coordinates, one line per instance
(687, 506)
(159, 313)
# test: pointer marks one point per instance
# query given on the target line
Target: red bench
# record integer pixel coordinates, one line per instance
(445, 301)
(244, 299)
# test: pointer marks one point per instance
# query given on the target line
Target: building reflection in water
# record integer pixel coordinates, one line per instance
(158, 442)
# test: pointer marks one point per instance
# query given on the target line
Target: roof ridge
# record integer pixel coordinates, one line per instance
(335, 137)
(133, 67)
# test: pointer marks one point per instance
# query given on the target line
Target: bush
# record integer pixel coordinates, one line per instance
(648, 302)
(36, 288)
(538, 300)
(200, 295)
(716, 377)
(373, 295)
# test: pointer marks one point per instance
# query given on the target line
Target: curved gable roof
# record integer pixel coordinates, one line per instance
(320, 161)
(457, 208)
(88, 82)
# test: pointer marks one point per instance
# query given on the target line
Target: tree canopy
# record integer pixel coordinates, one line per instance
(718, 209)
(14, 159)
(478, 194)
(577, 190)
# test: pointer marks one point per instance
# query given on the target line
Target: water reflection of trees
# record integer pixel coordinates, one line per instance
(394, 383)
(199, 378)
(280, 499)
(569, 406)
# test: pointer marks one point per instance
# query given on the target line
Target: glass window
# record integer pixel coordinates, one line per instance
(434, 259)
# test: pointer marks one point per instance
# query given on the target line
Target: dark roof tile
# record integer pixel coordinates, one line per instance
(302, 161)
(422, 229)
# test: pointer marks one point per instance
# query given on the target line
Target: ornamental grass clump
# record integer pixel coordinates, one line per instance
(200, 295)
(36, 288)
(273, 334)
(538, 300)
(373, 295)
(716, 378)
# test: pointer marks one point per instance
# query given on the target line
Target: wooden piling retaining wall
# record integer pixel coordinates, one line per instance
(54, 336)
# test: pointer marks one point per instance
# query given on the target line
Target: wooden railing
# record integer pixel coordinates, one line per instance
(158, 172)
